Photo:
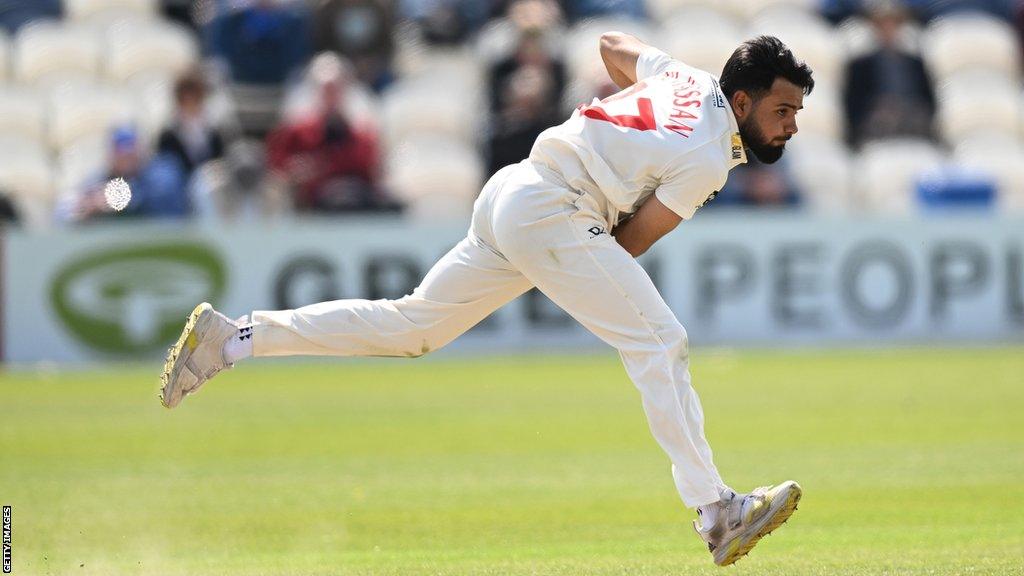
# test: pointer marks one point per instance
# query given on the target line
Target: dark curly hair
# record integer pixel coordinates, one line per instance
(754, 66)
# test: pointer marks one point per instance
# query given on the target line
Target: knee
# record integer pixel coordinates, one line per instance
(424, 348)
(677, 342)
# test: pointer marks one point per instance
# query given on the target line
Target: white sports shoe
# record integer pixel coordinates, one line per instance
(197, 356)
(743, 519)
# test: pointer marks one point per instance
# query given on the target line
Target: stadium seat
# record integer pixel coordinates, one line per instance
(582, 41)
(5, 57)
(822, 114)
(49, 52)
(437, 178)
(457, 69)
(754, 9)
(886, 174)
(978, 101)
(22, 113)
(822, 169)
(154, 103)
(1002, 158)
(663, 10)
(360, 104)
(135, 49)
(26, 174)
(93, 10)
(451, 113)
(81, 162)
(856, 36)
(973, 41)
(86, 111)
(498, 39)
(808, 35)
(711, 37)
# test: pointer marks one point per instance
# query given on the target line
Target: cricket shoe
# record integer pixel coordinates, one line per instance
(197, 356)
(743, 519)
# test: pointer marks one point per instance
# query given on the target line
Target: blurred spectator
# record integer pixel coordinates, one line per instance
(191, 138)
(530, 52)
(240, 188)
(260, 41)
(8, 210)
(526, 111)
(929, 9)
(16, 13)
(446, 22)
(182, 11)
(580, 9)
(1018, 21)
(157, 185)
(921, 10)
(361, 31)
(758, 185)
(888, 91)
(326, 161)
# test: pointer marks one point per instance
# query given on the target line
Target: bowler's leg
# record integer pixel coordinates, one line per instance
(597, 282)
(463, 288)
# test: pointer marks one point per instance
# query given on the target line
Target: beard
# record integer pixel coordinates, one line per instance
(755, 141)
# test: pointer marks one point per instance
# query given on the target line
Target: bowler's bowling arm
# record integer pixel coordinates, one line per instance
(620, 52)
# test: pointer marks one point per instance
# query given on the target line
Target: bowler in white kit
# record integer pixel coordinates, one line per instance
(595, 192)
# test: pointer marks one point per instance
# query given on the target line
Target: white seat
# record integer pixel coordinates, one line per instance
(456, 68)
(712, 36)
(822, 114)
(88, 111)
(135, 49)
(5, 57)
(663, 10)
(23, 113)
(81, 162)
(47, 52)
(808, 35)
(1003, 159)
(436, 178)
(973, 41)
(978, 101)
(583, 40)
(26, 174)
(153, 102)
(858, 37)
(886, 173)
(823, 169)
(79, 10)
(751, 9)
(498, 39)
(422, 105)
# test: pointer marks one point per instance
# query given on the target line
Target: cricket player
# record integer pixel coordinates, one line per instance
(595, 192)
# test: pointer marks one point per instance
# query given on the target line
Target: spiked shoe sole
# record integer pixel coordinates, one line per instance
(167, 384)
(741, 545)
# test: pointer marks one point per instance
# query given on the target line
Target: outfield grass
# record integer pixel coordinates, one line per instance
(911, 463)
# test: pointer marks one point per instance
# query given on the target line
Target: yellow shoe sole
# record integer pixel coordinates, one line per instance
(187, 338)
(740, 547)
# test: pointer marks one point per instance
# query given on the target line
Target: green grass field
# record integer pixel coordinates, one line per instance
(911, 463)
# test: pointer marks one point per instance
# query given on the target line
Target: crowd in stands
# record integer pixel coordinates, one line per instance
(242, 109)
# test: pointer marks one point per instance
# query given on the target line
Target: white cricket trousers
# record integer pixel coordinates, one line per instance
(528, 230)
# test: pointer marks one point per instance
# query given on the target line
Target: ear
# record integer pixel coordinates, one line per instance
(741, 104)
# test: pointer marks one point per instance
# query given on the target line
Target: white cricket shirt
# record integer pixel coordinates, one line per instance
(673, 134)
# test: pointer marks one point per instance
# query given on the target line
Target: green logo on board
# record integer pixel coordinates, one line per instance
(134, 300)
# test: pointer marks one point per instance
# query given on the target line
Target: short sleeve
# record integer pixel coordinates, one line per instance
(689, 185)
(652, 62)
